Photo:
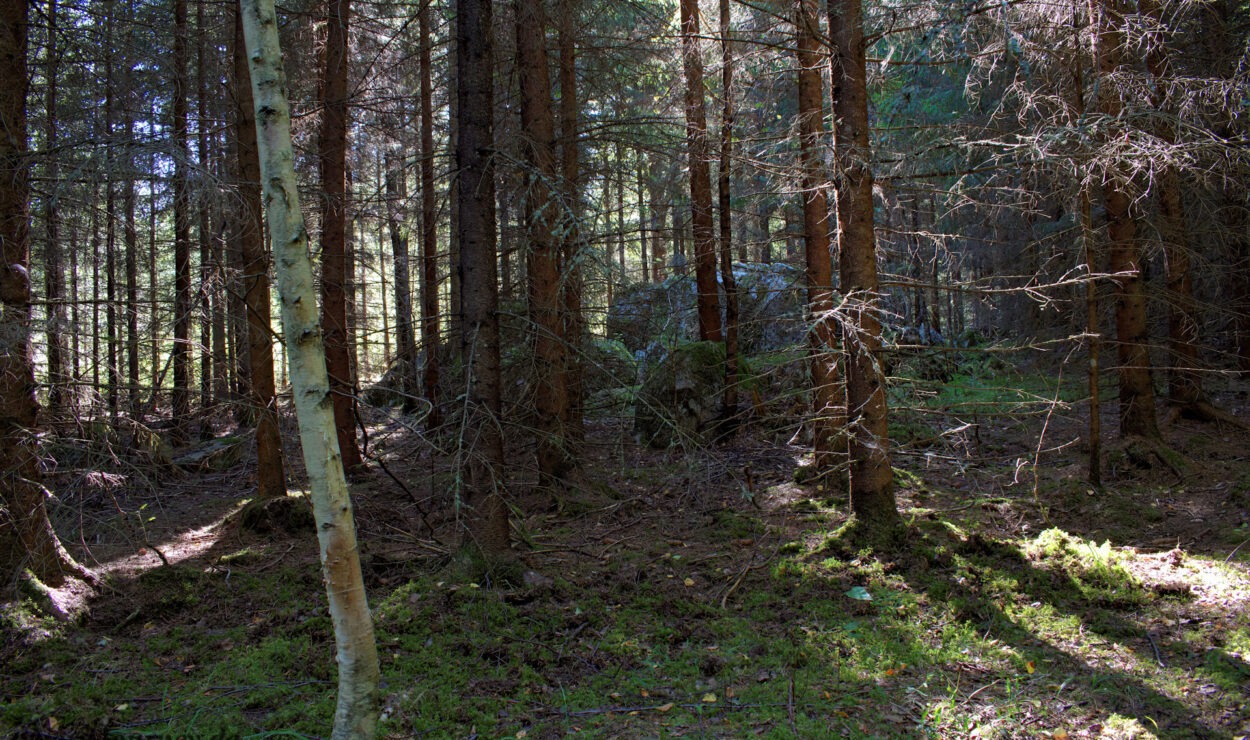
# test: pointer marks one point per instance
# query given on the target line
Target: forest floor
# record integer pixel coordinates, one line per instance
(690, 594)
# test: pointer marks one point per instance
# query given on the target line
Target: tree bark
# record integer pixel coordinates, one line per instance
(1184, 382)
(27, 540)
(485, 524)
(405, 341)
(700, 177)
(1137, 400)
(111, 393)
(430, 335)
(181, 397)
(724, 201)
(334, 272)
(872, 478)
(1093, 333)
(543, 254)
(828, 416)
(357, 709)
(54, 270)
(208, 278)
(131, 238)
(570, 247)
(270, 468)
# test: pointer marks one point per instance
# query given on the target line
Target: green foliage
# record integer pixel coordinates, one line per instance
(1098, 570)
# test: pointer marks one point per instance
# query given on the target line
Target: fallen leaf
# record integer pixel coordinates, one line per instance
(859, 593)
(1060, 734)
(689, 582)
(709, 698)
(664, 707)
(1030, 667)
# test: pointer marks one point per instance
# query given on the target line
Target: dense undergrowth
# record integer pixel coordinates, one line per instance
(686, 599)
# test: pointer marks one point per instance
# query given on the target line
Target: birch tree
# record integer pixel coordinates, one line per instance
(357, 710)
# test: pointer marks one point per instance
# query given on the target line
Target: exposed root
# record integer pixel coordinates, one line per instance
(1205, 411)
(1147, 453)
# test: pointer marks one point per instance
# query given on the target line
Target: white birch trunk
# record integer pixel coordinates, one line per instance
(356, 714)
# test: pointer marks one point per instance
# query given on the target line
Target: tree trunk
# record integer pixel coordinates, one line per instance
(1092, 332)
(54, 270)
(208, 398)
(405, 341)
(110, 213)
(430, 335)
(182, 234)
(543, 254)
(486, 518)
(570, 247)
(730, 399)
(270, 469)
(644, 214)
(357, 710)
(131, 239)
(1184, 382)
(1137, 401)
(700, 177)
(828, 416)
(27, 540)
(334, 274)
(872, 478)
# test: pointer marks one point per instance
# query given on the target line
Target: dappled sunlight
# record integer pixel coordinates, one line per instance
(171, 549)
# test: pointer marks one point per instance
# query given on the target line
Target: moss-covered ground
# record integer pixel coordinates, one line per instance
(696, 594)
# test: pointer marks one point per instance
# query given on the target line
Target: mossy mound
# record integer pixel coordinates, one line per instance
(680, 399)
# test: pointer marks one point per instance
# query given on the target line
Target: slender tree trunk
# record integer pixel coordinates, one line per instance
(430, 335)
(154, 306)
(182, 234)
(543, 255)
(872, 478)
(730, 399)
(362, 331)
(644, 216)
(334, 273)
(27, 540)
(570, 247)
(828, 417)
(659, 217)
(486, 510)
(270, 468)
(54, 270)
(1184, 382)
(1137, 400)
(110, 212)
(386, 320)
(454, 298)
(700, 177)
(96, 270)
(357, 711)
(1092, 331)
(406, 354)
(131, 236)
(208, 401)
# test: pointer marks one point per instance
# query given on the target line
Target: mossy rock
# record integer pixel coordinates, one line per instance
(220, 453)
(290, 514)
(680, 398)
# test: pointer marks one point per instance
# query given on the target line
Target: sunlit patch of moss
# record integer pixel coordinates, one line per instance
(1098, 571)
(1118, 727)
